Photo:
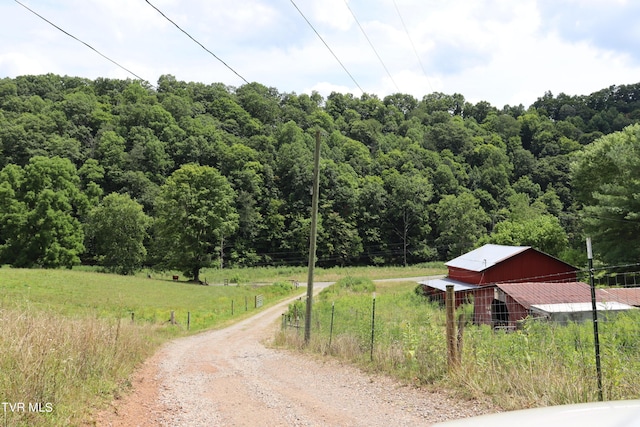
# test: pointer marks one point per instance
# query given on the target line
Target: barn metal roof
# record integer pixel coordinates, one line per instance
(627, 295)
(535, 293)
(441, 284)
(485, 257)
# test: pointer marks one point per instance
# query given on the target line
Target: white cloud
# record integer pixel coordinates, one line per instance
(500, 51)
(21, 63)
(331, 13)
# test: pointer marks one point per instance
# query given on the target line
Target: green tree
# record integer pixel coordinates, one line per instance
(606, 178)
(371, 214)
(529, 224)
(195, 213)
(39, 225)
(408, 196)
(460, 221)
(542, 232)
(117, 229)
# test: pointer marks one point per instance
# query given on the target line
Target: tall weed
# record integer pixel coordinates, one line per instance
(59, 365)
(540, 364)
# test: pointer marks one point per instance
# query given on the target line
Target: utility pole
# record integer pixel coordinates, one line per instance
(594, 309)
(312, 238)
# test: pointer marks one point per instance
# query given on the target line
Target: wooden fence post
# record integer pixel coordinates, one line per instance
(451, 326)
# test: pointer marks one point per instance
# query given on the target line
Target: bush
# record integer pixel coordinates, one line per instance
(348, 285)
(282, 288)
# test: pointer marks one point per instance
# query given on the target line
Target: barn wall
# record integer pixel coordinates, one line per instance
(516, 311)
(530, 266)
(465, 276)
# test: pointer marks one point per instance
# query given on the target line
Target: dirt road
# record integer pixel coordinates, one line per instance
(228, 377)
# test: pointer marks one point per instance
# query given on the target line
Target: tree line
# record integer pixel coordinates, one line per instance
(186, 175)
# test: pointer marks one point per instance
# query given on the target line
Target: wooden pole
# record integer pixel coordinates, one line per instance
(312, 238)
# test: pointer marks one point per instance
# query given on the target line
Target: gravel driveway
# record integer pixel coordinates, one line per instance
(228, 377)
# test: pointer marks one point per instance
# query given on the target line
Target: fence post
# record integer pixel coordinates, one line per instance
(373, 324)
(246, 303)
(188, 320)
(594, 308)
(172, 319)
(450, 328)
(232, 307)
(333, 309)
(133, 315)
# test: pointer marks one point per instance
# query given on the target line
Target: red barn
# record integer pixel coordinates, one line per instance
(477, 272)
(499, 264)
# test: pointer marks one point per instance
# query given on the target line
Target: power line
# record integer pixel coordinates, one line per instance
(325, 43)
(413, 46)
(371, 44)
(84, 43)
(196, 41)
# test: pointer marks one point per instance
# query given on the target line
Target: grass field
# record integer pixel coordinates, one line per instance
(69, 341)
(540, 364)
(86, 294)
(273, 274)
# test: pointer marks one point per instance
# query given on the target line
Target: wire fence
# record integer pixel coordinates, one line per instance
(533, 342)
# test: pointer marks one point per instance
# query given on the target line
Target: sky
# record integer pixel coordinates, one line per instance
(505, 52)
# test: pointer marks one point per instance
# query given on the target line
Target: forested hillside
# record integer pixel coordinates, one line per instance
(186, 175)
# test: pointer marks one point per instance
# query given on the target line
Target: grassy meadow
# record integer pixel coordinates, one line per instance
(541, 364)
(69, 341)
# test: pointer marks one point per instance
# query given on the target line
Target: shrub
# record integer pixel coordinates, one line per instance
(282, 288)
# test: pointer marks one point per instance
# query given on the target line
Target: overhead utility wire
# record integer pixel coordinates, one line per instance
(325, 43)
(196, 41)
(84, 43)
(371, 44)
(412, 45)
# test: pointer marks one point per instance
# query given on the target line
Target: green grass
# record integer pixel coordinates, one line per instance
(80, 294)
(68, 338)
(273, 274)
(68, 366)
(539, 365)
